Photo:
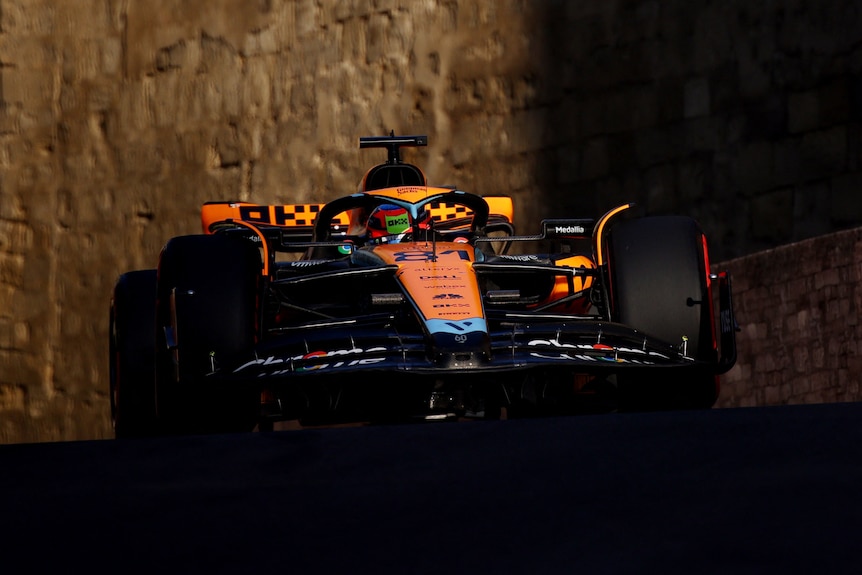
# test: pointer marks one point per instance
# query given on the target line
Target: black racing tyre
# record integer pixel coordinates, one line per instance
(658, 285)
(206, 313)
(132, 351)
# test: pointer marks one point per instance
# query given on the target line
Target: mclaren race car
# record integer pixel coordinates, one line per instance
(410, 302)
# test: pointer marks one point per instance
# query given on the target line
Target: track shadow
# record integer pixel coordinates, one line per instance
(753, 490)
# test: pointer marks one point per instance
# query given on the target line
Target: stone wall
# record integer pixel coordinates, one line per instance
(118, 119)
(799, 309)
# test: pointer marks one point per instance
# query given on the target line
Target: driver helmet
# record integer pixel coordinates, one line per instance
(387, 223)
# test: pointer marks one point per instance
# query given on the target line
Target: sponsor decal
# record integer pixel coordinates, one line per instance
(332, 354)
(451, 305)
(337, 364)
(521, 258)
(324, 366)
(448, 296)
(582, 357)
(399, 222)
(440, 277)
(586, 347)
(568, 229)
(408, 190)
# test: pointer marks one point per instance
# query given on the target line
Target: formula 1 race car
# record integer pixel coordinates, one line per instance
(407, 302)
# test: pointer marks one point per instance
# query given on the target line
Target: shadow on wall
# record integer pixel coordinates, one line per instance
(678, 108)
(635, 120)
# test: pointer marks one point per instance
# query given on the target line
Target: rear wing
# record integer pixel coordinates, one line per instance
(213, 214)
(297, 220)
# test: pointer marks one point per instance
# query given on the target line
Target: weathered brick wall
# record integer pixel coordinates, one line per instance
(799, 309)
(118, 119)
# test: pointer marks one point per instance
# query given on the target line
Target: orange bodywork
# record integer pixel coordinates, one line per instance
(563, 288)
(289, 215)
(439, 278)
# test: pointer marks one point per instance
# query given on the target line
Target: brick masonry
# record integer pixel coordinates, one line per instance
(118, 119)
(798, 308)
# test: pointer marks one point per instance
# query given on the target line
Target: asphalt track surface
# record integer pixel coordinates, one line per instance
(752, 490)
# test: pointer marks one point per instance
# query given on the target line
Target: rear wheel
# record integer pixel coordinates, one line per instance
(132, 352)
(206, 313)
(658, 285)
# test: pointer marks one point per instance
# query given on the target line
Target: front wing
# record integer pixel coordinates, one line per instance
(581, 344)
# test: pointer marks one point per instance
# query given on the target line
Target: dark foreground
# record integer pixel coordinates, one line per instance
(757, 490)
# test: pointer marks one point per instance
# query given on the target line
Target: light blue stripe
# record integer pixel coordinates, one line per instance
(457, 326)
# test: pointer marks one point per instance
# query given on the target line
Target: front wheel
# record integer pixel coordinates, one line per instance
(658, 280)
(206, 313)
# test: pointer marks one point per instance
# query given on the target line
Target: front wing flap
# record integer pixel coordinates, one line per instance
(345, 346)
